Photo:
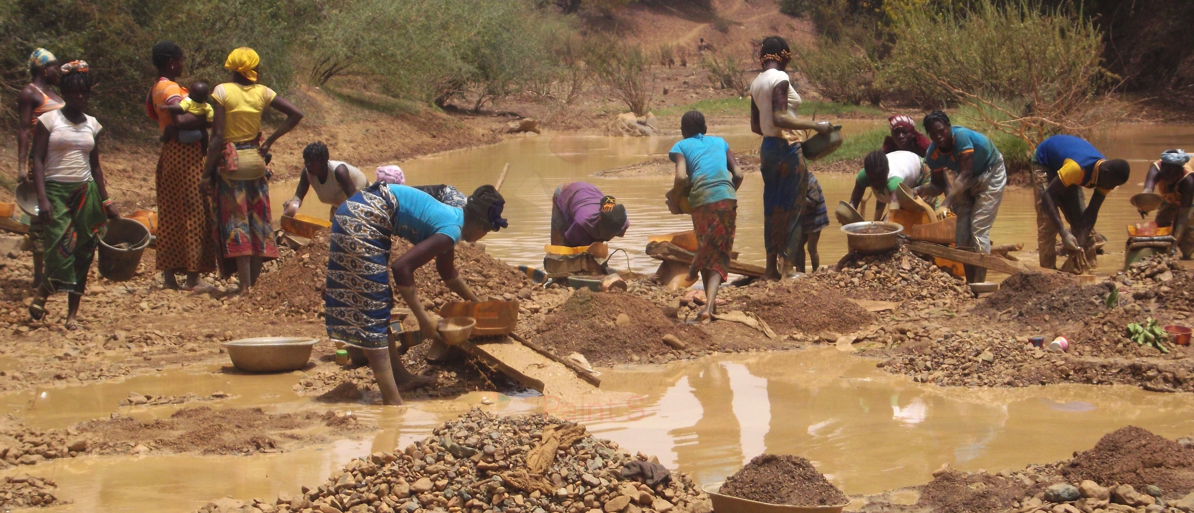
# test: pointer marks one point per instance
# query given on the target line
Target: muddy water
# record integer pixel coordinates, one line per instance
(869, 431)
(539, 164)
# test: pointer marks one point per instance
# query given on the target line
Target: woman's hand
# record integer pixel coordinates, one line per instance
(22, 173)
(1070, 242)
(45, 211)
(823, 127)
(428, 326)
(290, 208)
(205, 186)
(111, 210)
(264, 148)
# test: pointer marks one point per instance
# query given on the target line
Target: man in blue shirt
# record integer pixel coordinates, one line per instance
(978, 190)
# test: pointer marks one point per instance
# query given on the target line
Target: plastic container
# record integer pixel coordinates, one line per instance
(1059, 344)
(455, 330)
(1180, 335)
(120, 249)
(26, 194)
(270, 354)
(822, 145)
(341, 357)
(1037, 341)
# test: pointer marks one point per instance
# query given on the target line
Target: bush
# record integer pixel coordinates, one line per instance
(625, 70)
(667, 55)
(842, 72)
(725, 73)
(799, 8)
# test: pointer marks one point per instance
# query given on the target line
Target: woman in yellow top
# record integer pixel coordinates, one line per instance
(241, 197)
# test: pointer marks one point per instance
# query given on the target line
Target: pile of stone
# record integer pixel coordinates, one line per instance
(483, 463)
(1157, 269)
(24, 446)
(895, 276)
(26, 491)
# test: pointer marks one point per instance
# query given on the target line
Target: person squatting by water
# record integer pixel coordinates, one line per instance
(1062, 166)
(334, 181)
(358, 298)
(1172, 176)
(72, 197)
(794, 209)
(707, 174)
(978, 190)
(582, 215)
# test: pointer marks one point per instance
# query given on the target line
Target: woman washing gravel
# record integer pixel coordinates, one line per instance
(358, 299)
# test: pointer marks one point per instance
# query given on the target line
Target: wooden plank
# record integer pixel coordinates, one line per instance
(478, 353)
(502, 178)
(584, 373)
(674, 253)
(993, 263)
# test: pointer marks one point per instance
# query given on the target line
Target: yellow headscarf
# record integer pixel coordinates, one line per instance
(243, 60)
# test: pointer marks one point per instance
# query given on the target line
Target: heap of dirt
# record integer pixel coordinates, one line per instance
(804, 306)
(895, 276)
(207, 431)
(1105, 335)
(26, 491)
(482, 461)
(959, 491)
(297, 285)
(1136, 457)
(783, 479)
(1037, 299)
(611, 328)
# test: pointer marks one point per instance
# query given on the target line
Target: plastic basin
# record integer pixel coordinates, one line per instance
(727, 504)
(26, 194)
(270, 354)
(120, 249)
(455, 330)
(1179, 334)
(886, 239)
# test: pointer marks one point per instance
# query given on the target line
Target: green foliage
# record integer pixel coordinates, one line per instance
(858, 145)
(725, 72)
(842, 71)
(667, 55)
(625, 70)
(741, 106)
(1150, 334)
(795, 7)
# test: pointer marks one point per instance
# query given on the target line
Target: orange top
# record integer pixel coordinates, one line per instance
(47, 104)
(1162, 188)
(163, 91)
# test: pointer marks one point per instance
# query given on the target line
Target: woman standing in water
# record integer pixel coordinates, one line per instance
(787, 182)
(36, 99)
(72, 198)
(358, 299)
(241, 203)
(184, 242)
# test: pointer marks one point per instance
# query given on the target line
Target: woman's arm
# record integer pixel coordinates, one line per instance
(965, 173)
(856, 194)
(344, 178)
(97, 174)
(1049, 203)
(293, 116)
(41, 143)
(300, 192)
(735, 170)
(784, 116)
(445, 264)
(25, 106)
(756, 126)
(679, 183)
(215, 146)
(403, 270)
(1150, 178)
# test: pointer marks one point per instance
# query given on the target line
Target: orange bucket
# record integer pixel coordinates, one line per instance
(147, 218)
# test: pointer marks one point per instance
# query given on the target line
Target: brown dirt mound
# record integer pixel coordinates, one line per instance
(1044, 298)
(207, 431)
(297, 285)
(958, 492)
(808, 307)
(1105, 336)
(783, 479)
(26, 491)
(1136, 457)
(588, 324)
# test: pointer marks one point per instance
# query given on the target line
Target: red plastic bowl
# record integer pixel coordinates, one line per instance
(1179, 334)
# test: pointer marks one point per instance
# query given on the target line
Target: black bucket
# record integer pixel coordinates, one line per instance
(121, 247)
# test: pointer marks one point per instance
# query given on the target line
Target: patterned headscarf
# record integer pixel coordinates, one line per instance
(75, 67)
(243, 60)
(41, 57)
(608, 203)
(392, 175)
(781, 57)
(1175, 157)
(901, 120)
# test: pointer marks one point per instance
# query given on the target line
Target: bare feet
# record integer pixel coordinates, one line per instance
(201, 288)
(772, 275)
(72, 325)
(169, 282)
(416, 381)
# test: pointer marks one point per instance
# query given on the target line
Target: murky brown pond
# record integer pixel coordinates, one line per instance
(538, 164)
(869, 431)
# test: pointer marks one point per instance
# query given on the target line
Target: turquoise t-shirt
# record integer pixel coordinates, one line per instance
(419, 216)
(708, 169)
(965, 141)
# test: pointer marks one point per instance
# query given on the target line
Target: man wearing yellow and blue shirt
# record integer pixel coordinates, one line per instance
(1062, 166)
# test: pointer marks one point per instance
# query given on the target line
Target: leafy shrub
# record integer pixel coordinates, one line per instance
(667, 55)
(841, 71)
(625, 70)
(725, 73)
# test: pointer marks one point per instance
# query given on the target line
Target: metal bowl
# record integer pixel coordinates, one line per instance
(1147, 201)
(26, 194)
(872, 243)
(270, 354)
(455, 330)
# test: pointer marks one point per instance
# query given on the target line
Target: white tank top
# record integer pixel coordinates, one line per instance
(330, 192)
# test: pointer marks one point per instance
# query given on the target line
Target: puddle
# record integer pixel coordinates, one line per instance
(867, 430)
(539, 164)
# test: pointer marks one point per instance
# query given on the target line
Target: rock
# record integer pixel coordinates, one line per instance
(987, 356)
(622, 320)
(1092, 490)
(590, 480)
(523, 125)
(1153, 490)
(135, 398)
(1165, 276)
(582, 361)
(1126, 495)
(401, 490)
(422, 485)
(1065, 508)
(616, 504)
(645, 498)
(1062, 492)
(140, 450)
(79, 445)
(10, 244)
(674, 342)
(1185, 504)
(661, 506)
(945, 468)
(220, 394)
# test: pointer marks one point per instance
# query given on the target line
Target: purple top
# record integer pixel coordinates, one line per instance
(579, 204)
